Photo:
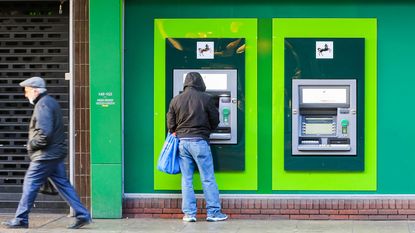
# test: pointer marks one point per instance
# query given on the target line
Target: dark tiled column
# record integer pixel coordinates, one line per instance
(81, 75)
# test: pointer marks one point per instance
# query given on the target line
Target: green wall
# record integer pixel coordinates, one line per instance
(394, 83)
(106, 108)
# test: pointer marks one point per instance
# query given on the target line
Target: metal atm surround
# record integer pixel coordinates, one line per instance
(226, 99)
(320, 128)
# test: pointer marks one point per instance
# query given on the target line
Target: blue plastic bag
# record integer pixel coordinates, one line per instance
(169, 156)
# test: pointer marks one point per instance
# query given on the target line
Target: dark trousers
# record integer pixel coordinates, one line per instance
(35, 176)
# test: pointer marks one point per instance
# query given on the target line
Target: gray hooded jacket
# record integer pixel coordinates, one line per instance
(192, 113)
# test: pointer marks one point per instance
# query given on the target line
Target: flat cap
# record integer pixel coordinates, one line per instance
(36, 82)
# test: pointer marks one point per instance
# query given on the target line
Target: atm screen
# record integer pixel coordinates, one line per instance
(323, 95)
(214, 81)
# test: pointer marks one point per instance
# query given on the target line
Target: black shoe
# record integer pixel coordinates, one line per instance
(14, 224)
(79, 223)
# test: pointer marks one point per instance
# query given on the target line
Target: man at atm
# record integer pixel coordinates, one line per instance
(192, 116)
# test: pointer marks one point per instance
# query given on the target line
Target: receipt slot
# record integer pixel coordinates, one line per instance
(324, 117)
(222, 85)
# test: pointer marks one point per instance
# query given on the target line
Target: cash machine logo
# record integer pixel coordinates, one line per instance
(324, 50)
(205, 50)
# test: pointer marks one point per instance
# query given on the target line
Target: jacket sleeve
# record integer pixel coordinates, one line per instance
(43, 128)
(213, 114)
(171, 118)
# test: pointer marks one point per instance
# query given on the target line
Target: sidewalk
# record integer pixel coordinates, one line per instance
(43, 223)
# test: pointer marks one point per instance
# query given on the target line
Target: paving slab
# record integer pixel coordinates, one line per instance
(47, 223)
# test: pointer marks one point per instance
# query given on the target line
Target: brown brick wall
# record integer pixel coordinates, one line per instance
(81, 95)
(311, 209)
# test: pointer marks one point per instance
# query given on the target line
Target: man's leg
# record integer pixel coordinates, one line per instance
(187, 169)
(203, 157)
(35, 176)
(67, 191)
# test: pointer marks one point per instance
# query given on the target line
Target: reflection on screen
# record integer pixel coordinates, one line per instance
(213, 81)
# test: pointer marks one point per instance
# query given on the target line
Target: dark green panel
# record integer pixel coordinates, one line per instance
(138, 100)
(225, 157)
(301, 63)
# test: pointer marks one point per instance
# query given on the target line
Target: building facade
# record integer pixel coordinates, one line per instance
(126, 55)
(374, 183)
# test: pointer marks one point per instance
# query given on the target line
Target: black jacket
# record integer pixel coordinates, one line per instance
(47, 139)
(192, 113)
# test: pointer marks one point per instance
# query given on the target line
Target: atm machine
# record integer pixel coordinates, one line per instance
(324, 117)
(221, 62)
(222, 85)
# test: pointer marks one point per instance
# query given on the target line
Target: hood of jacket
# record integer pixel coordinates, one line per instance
(194, 80)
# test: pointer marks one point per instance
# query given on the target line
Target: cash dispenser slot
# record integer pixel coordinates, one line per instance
(324, 147)
(222, 130)
(338, 141)
(220, 136)
(318, 112)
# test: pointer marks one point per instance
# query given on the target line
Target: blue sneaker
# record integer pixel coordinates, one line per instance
(217, 217)
(189, 218)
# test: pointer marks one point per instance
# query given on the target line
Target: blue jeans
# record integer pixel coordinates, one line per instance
(35, 176)
(196, 152)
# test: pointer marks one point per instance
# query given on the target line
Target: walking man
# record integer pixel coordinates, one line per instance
(47, 149)
(192, 116)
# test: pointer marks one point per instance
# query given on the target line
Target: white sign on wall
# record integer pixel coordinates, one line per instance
(324, 50)
(205, 50)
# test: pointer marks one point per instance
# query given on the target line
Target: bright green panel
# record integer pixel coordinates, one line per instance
(105, 108)
(106, 197)
(333, 28)
(212, 28)
(105, 81)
